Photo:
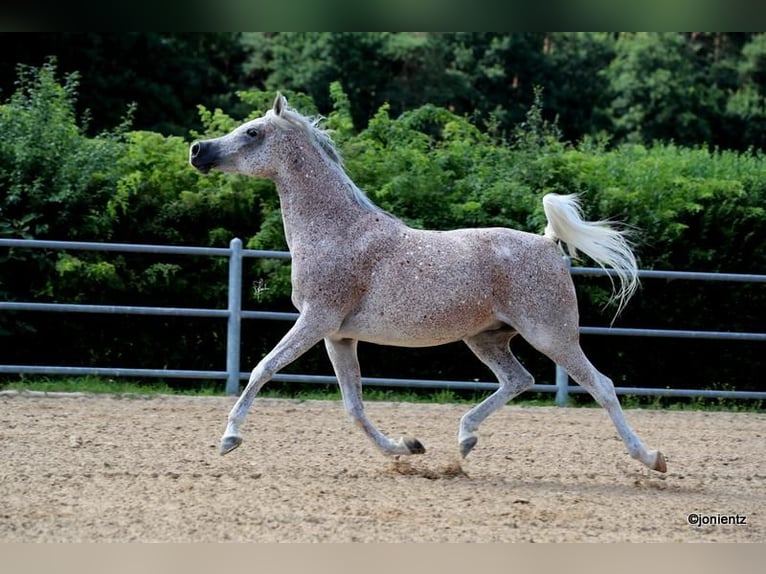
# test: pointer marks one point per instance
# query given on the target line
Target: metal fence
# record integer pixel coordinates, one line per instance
(234, 315)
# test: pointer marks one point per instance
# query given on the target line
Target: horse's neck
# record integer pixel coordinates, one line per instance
(317, 202)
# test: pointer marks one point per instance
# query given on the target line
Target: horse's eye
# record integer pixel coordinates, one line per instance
(252, 132)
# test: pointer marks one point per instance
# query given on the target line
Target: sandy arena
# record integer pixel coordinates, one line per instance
(110, 469)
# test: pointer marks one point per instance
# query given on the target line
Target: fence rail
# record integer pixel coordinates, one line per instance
(234, 315)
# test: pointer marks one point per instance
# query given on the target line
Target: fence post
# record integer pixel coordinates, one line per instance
(562, 378)
(562, 387)
(235, 317)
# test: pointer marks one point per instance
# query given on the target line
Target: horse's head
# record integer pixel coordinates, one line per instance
(246, 149)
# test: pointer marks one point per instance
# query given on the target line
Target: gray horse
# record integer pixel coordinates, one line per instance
(361, 274)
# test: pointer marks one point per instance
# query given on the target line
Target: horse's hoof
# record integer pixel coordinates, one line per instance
(414, 446)
(229, 443)
(467, 445)
(659, 463)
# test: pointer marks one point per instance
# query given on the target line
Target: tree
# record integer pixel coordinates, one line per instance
(311, 61)
(54, 179)
(746, 106)
(165, 74)
(575, 89)
(54, 182)
(657, 92)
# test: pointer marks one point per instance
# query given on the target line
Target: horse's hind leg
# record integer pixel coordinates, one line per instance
(563, 347)
(343, 357)
(602, 389)
(492, 347)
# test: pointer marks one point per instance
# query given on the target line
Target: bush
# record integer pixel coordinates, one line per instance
(692, 208)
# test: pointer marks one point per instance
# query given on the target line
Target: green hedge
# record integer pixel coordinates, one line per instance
(693, 209)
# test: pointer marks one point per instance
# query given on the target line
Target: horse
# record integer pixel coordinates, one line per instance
(361, 274)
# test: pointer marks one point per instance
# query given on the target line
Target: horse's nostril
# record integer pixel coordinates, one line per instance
(195, 149)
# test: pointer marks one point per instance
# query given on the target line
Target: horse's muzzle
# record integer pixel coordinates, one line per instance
(199, 157)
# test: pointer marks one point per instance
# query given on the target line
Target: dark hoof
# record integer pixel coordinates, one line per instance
(414, 446)
(229, 443)
(659, 464)
(467, 445)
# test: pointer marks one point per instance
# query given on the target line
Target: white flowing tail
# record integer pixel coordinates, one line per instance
(600, 241)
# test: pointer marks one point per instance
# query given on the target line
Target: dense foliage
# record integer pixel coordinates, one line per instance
(692, 88)
(694, 207)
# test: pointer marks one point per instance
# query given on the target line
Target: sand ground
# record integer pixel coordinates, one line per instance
(117, 469)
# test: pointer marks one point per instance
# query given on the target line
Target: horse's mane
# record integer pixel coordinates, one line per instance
(311, 126)
(320, 137)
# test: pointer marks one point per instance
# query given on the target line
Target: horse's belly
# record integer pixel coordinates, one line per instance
(418, 325)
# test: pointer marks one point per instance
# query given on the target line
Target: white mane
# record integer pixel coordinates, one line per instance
(320, 138)
(311, 127)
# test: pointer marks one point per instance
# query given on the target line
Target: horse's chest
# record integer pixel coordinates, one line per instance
(327, 280)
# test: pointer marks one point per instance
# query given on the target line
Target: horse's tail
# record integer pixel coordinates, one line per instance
(603, 243)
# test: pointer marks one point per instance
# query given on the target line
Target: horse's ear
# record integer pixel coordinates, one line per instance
(280, 103)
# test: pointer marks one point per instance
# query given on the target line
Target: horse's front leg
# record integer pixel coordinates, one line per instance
(303, 335)
(342, 353)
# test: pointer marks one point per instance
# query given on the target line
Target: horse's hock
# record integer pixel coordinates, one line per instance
(104, 468)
